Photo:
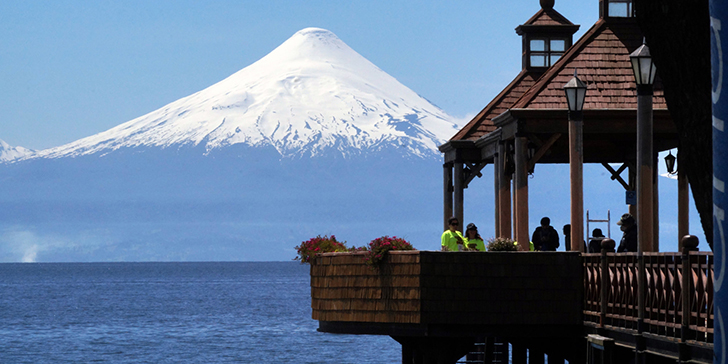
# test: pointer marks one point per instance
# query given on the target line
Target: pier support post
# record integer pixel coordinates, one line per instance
(519, 353)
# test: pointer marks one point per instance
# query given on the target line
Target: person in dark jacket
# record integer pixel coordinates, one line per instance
(545, 237)
(595, 243)
(629, 237)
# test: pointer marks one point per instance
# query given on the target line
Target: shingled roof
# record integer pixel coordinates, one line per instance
(482, 123)
(601, 58)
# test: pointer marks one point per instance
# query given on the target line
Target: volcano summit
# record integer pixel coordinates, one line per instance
(310, 96)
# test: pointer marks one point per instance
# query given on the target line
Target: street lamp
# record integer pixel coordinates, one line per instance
(575, 91)
(643, 67)
(670, 162)
(644, 75)
(575, 94)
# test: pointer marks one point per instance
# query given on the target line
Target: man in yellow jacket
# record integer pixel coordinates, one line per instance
(452, 239)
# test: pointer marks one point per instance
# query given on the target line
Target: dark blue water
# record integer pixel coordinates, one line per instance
(170, 313)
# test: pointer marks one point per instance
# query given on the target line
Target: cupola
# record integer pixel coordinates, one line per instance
(546, 37)
(616, 9)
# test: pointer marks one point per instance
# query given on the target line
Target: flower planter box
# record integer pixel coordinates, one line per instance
(449, 288)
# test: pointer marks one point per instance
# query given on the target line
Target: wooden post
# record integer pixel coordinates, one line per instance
(521, 182)
(607, 246)
(683, 204)
(576, 165)
(655, 209)
(447, 193)
(689, 243)
(497, 172)
(459, 193)
(645, 166)
(504, 195)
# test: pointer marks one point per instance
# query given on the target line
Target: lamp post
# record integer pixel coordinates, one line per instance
(575, 94)
(644, 74)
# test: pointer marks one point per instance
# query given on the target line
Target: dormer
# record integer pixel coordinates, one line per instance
(616, 9)
(546, 37)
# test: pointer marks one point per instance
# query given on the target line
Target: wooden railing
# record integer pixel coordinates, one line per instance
(677, 297)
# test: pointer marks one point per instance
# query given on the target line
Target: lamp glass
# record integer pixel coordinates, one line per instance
(642, 66)
(575, 94)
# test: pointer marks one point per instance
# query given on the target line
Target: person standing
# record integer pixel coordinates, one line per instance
(629, 237)
(545, 237)
(595, 243)
(473, 239)
(452, 239)
(567, 237)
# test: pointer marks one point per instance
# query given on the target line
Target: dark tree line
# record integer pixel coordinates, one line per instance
(678, 34)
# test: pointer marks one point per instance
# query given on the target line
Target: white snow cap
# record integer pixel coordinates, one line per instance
(9, 153)
(310, 94)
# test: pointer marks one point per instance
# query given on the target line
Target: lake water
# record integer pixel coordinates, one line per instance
(170, 313)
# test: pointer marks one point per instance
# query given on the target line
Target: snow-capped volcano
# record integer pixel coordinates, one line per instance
(312, 94)
(9, 153)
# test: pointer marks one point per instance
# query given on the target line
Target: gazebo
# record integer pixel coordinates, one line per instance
(528, 122)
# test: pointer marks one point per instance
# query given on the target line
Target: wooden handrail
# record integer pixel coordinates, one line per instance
(678, 289)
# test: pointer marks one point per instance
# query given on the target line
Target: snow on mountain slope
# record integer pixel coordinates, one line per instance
(9, 153)
(310, 95)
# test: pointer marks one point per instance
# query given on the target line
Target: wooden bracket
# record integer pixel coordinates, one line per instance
(616, 175)
(471, 171)
(543, 148)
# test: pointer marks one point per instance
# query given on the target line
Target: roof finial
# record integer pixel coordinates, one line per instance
(547, 4)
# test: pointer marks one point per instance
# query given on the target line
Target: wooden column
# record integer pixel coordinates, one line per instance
(521, 186)
(459, 193)
(683, 203)
(447, 193)
(576, 174)
(655, 208)
(504, 195)
(645, 172)
(497, 167)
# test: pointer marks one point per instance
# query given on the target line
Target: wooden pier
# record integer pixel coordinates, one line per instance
(438, 304)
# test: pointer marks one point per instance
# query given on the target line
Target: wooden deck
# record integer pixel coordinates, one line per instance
(546, 301)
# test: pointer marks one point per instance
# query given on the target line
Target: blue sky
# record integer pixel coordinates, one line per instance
(70, 69)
